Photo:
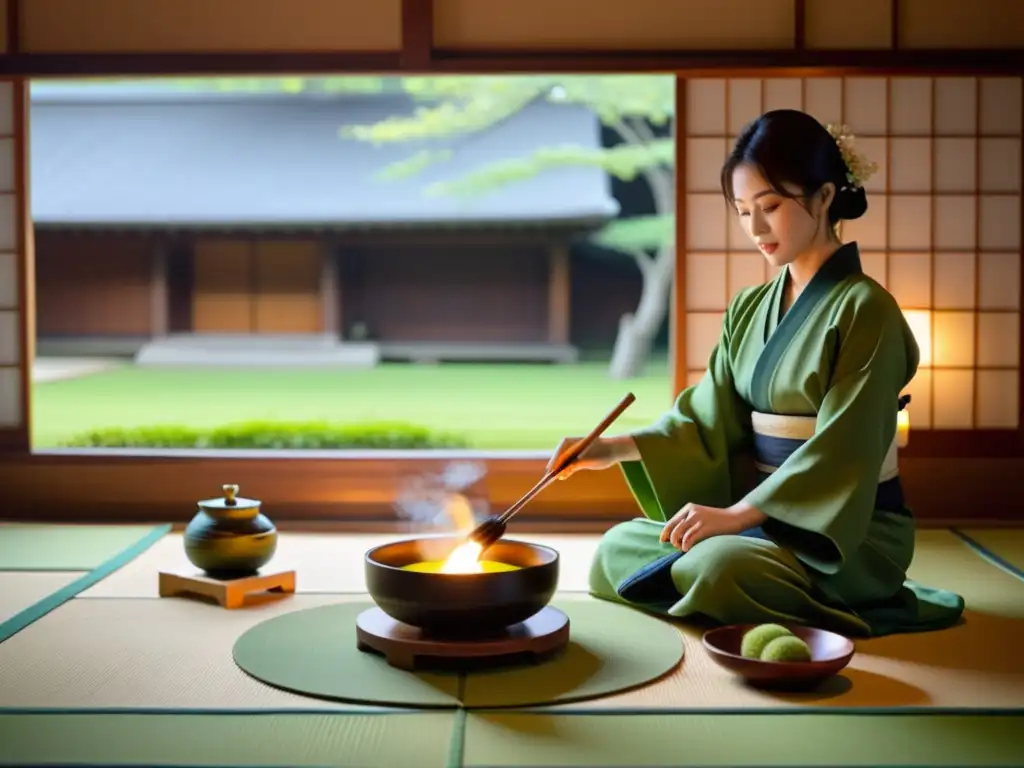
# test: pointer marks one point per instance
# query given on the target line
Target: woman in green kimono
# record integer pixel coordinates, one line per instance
(803, 386)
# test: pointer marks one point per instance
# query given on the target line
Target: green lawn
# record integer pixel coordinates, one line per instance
(494, 406)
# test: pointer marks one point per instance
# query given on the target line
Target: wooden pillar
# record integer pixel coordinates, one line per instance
(17, 331)
(159, 295)
(330, 291)
(559, 295)
(677, 310)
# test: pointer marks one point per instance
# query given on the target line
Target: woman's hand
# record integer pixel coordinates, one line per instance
(603, 453)
(696, 522)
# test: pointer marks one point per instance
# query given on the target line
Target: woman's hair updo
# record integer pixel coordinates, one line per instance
(788, 146)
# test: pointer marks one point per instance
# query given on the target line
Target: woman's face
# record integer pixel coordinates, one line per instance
(782, 228)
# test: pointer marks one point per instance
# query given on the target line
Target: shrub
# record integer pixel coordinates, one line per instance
(271, 435)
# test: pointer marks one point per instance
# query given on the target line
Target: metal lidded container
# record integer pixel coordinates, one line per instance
(230, 537)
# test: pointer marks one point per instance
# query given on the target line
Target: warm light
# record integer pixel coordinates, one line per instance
(437, 566)
(902, 428)
(460, 512)
(920, 322)
(465, 559)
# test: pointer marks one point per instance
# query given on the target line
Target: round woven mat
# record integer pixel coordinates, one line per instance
(313, 652)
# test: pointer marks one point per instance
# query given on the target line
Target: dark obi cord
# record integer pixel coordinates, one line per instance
(773, 451)
(652, 584)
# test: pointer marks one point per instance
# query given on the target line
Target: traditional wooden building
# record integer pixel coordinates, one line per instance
(165, 216)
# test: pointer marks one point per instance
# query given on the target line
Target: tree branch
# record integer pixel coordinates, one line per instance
(625, 161)
(643, 261)
(641, 128)
(461, 116)
(659, 180)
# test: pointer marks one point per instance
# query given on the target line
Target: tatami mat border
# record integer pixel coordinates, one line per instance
(351, 709)
(456, 754)
(36, 611)
(737, 711)
(987, 554)
(552, 711)
(457, 751)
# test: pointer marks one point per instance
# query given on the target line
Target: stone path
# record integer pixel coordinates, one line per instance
(46, 369)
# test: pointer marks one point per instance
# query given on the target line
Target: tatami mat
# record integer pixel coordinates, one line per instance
(367, 741)
(328, 562)
(165, 654)
(176, 653)
(31, 547)
(521, 740)
(1007, 544)
(23, 589)
(976, 664)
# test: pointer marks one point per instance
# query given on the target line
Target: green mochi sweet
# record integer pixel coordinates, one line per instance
(755, 640)
(789, 648)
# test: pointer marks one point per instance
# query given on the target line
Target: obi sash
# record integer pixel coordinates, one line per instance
(777, 437)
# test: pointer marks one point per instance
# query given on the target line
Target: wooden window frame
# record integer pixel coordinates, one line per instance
(947, 470)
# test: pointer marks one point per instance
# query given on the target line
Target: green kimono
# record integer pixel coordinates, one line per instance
(839, 538)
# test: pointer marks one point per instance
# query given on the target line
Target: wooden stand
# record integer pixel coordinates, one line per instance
(402, 645)
(230, 593)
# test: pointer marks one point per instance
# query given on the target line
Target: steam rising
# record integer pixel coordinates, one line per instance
(451, 500)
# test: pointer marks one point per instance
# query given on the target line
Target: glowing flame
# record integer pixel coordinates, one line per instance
(466, 557)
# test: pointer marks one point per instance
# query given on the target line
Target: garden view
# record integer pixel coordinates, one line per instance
(113, 401)
(486, 407)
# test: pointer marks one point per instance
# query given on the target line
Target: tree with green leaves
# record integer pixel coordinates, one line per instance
(628, 104)
(449, 105)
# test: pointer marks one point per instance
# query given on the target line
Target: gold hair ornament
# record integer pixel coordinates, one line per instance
(858, 168)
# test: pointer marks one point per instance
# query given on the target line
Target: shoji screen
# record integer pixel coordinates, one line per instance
(942, 233)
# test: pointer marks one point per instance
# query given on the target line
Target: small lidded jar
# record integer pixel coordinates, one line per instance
(230, 537)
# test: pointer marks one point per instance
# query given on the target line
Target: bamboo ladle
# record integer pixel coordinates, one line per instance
(493, 528)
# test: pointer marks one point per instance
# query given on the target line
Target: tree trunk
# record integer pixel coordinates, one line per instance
(637, 331)
(631, 350)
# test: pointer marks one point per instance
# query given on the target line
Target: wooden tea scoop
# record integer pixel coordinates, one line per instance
(493, 528)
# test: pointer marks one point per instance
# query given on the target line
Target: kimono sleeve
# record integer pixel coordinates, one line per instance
(685, 455)
(819, 503)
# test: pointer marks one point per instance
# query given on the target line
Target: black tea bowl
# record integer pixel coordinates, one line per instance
(461, 605)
